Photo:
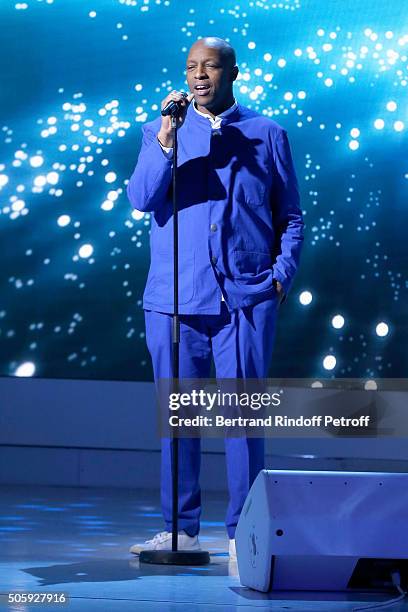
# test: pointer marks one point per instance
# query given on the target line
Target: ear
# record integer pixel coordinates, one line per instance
(234, 73)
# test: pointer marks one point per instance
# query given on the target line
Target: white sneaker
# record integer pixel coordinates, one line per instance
(232, 550)
(162, 541)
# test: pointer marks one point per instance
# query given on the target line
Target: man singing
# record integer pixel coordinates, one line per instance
(240, 237)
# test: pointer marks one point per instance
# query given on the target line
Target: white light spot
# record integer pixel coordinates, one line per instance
(328, 82)
(281, 62)
(354, 144)
(267, 57)
(391, 106)
(379, 124)
(107, 205)
(113, 195)
(40, 181)
(251, 45)
(370, 385)
(329, 362)
(63, 220)
(398, 126)
(338, 321)
(305, 298)
(18, 205)
(3, 180)
(52, 178)
(110, 177)
(137, 214)
(382, 329)
(25, 369)
(355, 132)
(36, 161)
(85, 251)
(20, 155)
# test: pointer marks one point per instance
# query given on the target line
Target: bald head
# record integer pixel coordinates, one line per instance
(211, 72)
(225, 50)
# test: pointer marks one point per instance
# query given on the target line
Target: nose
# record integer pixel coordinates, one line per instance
(200, 72)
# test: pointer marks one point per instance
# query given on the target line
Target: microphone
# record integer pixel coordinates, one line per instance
(173, 108)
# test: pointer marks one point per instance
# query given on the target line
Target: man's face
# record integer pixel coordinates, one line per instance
(209, 76)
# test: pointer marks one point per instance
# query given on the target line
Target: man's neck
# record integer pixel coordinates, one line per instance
(214, 112)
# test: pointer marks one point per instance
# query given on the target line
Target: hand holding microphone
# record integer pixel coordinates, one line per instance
(173, 107)
(182, 100)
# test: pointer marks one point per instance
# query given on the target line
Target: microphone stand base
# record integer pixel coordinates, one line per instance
(175, 557)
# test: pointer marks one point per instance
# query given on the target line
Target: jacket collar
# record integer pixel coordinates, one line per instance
(200, 119)
(217, 118)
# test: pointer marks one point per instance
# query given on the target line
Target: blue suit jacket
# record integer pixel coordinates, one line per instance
(240, 223)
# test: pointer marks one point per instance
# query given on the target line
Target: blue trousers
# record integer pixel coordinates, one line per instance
(240, 342)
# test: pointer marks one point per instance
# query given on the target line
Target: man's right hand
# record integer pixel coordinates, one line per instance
(164, 135)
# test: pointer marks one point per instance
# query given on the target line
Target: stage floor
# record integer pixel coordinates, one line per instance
(76, 540)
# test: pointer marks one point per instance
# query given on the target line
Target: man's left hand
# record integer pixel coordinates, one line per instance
(280, 291)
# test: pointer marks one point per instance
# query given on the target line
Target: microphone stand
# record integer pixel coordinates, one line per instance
(175, 556)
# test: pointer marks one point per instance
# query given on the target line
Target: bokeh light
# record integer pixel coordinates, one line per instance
(77, 255)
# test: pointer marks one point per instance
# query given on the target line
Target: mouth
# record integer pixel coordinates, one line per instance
(202, 90)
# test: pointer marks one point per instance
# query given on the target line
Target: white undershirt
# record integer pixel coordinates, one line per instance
(217, 120)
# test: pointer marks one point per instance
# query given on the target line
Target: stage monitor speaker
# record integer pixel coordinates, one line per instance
(314, 530)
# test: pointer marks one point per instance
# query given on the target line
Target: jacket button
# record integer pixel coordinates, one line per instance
(214, 259)
(213, 227)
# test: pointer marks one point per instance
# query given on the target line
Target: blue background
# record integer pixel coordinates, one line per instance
(81, 317)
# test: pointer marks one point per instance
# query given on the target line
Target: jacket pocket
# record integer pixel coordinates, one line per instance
(251, 265)
(251, 189)
(159, 286)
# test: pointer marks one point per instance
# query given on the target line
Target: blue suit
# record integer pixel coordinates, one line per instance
(240, 227)
(240, 224)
